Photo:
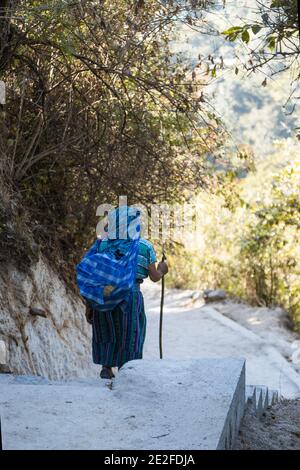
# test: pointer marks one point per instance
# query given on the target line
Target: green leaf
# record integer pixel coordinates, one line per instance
(256, 28)
(271, 41)
(276, 4)
(232, 30)
(246, 36)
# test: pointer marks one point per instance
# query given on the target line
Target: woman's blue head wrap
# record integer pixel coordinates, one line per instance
(123, 228)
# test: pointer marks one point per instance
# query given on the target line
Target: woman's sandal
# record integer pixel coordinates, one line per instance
(106, 373)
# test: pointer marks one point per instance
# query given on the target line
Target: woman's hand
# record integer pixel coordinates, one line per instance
(163, 267)
(156, 274)
(89, 314)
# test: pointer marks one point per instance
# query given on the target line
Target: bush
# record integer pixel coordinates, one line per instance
(270, 250)
(252, 249)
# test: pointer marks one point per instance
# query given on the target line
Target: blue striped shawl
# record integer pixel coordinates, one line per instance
(104, 280)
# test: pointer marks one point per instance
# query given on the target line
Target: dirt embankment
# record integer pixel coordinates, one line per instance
(278, 429)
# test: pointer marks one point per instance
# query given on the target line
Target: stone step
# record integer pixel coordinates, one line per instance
(153, 404)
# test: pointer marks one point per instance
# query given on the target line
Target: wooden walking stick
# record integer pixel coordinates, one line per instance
(161, 311)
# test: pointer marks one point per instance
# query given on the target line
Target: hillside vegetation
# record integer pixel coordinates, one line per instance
(248, 237)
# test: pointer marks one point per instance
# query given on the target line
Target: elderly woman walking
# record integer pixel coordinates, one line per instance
(115, 304)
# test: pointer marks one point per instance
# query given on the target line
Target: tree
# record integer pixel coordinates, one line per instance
(97, 106)
(276, 35)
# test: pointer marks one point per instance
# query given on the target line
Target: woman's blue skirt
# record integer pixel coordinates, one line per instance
(119, 335)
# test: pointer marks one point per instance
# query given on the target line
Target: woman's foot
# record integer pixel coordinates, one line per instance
(106, 373)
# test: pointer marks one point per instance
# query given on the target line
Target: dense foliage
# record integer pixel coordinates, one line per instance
(270, 248)
(250, 246)
(97, 106)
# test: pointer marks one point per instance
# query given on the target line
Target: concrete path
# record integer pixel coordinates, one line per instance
(204, 332)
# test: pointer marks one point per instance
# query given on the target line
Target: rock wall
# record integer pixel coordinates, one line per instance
(42, 325)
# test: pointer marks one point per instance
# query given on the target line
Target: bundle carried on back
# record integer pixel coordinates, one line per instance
(107, 273)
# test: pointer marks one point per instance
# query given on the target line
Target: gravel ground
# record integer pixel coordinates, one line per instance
(278, 428)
